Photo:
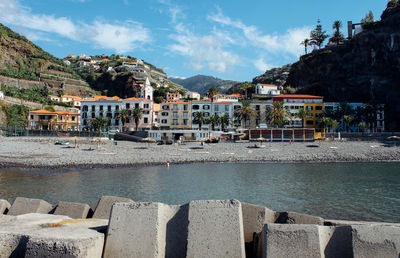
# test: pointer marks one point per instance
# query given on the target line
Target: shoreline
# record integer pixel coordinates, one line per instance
(31, 152)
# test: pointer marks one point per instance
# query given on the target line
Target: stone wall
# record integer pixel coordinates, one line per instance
(119, 227)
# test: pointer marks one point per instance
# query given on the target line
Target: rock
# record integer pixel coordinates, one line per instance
(104, 205)
(46, 235)
(215, 229)
(4, 206)
(298, 218)
(376, 241)
(24, 205)
(336, 241)
(73, 210)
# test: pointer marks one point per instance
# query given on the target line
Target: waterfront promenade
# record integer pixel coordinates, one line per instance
(41, 152)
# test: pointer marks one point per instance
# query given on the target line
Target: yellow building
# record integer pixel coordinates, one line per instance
(175, 115)
(47, 120)
(314, 113)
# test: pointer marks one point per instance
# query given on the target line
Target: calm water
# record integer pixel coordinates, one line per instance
(353, 191)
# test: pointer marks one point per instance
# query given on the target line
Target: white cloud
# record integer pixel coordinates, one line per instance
(203, 51)
(272, 43)
(261, 64)
(121, 37)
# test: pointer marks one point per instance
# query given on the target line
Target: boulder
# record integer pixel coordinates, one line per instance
(73, 210)
(104, 205)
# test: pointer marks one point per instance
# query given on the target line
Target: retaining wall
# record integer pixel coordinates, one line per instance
(119, 227)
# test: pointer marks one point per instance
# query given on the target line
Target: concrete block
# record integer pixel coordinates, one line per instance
(23, 205)
(287, 240)
(215, 229)
(297, 218)
(73, 210)
(146, 230)
(254, 219)
(104, 205)
(335, 241)
(4, 206)
(46, 235)
(376, 241)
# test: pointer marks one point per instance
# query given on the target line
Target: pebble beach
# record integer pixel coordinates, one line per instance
(42, 152)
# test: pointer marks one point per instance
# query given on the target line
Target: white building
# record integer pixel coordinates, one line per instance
(267, 89)
(147, 90)
(174, 135)
(146, 105)
(192, 95)
(100, 107)
(223, 98)
(217, 108)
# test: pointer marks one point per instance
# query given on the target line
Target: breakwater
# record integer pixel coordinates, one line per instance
(119, 227)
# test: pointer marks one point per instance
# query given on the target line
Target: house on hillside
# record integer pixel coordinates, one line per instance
(267, 89)
(192, 95)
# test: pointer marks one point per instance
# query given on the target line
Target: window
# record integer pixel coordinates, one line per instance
(93, 114)
(310, 115)
(318, 107)
(93, 108)
(257, 107)
(109, 115)
(136, 105)
(185, 121)
(164, 121)
(109, 108)
(309, 108)
(226, 108)
(175, 115)
(145, 120)
(185, 107)
(146, 106)
(84, 115)
(206, 114)
(216, 108)
(195, 107)
(72, 118)
(127, 106)
(164, 113)
(101, 107)
(206, 107)
(165, 107)
(127, 121)
(175, 106)
(185, 115)
(175, 122)
(116, 108)
(309, 122)
(146, 112)
(116, 122)
(31, 117)
(85, 108)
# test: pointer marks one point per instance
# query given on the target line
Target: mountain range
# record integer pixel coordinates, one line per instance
(201, 83)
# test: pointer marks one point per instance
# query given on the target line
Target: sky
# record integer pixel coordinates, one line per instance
(228, 39)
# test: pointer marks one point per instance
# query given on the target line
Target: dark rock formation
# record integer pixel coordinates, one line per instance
(363, 69)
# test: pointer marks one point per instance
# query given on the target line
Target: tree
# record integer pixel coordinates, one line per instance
(269, 114)
(16, 115)
(317, 35)
(245, 112)
(280, 114)
(348, 119)
(334, 125)
(326, 122)
(199, 119)
(306, 43)
(362, 126)
(137, 114)
(392, 3)
(214, 120)
(337, 35)
(99, 122)
(302, 115)
(224, 120)
(367, 20)
(123, 116)
(246, 87)
(212, 91)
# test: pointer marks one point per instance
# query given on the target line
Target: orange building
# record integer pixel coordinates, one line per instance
(58, 120)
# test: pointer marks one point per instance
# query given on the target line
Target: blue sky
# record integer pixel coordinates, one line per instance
(229, 39)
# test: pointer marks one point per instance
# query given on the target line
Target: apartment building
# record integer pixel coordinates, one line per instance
(175, 115)
(48, 120)
(313, 105)
(145, 123)
(100, 106)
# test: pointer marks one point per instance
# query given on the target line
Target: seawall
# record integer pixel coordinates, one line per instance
(120, 227)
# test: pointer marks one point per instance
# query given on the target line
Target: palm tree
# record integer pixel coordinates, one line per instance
(362, 126)
(306, 43)
(137, 114)
(199, 118)
(245, 87)
(326, 122)
(214, 120)
(337, 35)
(280, 114)
(123, 116)
(224, 119)
(302, 115)
(348, 119)
(269, 114)
(245, 112)
(212, 91)
(334, 125)
(99, 122)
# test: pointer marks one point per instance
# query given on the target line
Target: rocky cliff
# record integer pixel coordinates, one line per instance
(363, 69)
